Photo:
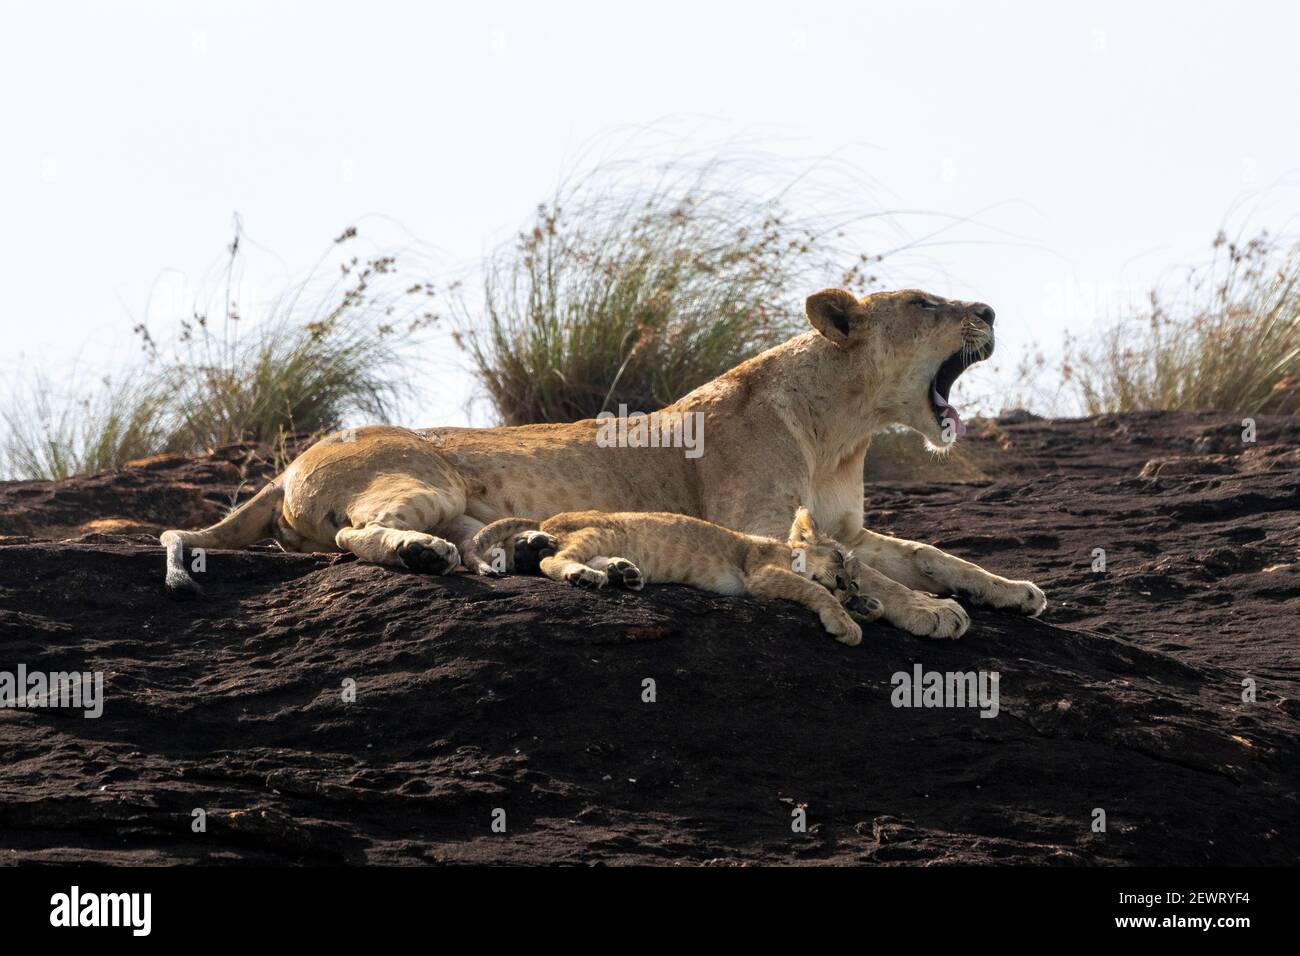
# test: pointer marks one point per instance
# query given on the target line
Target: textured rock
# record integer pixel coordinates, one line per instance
(526, 695)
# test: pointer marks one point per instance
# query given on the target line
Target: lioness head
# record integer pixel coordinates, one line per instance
(911, 346)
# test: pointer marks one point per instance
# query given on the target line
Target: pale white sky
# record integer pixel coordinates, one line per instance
(1111, 139)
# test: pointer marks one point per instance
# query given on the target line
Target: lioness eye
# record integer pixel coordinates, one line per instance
(925, 304)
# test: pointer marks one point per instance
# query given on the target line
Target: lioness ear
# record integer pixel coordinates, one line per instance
(804, 528)
(836, 314)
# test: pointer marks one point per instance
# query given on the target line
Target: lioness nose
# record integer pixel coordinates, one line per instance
(983, 311)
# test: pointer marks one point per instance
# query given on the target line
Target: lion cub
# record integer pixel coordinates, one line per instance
(631, 549)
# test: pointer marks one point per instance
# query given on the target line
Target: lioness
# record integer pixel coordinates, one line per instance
(632, 549)
(789, 426)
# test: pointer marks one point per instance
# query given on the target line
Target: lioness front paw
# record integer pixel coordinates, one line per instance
(1033, 601)
(842, 627)
(940, 619)
(586, 578)
(1022, 596)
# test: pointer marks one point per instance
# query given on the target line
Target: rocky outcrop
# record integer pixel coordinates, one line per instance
(315, 709)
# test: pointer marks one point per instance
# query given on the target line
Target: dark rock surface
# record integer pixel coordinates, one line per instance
(525, 695)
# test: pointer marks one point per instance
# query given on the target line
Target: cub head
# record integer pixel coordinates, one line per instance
(830, 564)
(823, 558)
(908, 347)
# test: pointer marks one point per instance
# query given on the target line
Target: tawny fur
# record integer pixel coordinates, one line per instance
(631, 549)
(790, 426)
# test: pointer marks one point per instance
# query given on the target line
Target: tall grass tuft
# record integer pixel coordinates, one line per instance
(51, 432)
(315, 358)
(320, 353)
(1230, 343)
(618, 293)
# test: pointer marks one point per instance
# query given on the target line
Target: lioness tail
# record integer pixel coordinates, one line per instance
(492, 535)
(253, 520)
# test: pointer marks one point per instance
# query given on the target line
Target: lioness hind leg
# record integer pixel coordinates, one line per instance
(399, 547)
(396, 533)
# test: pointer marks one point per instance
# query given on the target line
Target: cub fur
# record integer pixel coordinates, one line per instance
(593, 549)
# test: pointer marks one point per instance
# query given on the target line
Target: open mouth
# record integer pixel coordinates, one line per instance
(941, 385)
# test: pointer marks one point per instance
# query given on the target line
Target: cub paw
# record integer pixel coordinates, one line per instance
(843, 628)
(429, 557)
(622, 573)
(865, 609)
(530, 548)
(941, 620)
(586, 578)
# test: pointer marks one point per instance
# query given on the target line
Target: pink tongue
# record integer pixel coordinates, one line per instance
(949, 411)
